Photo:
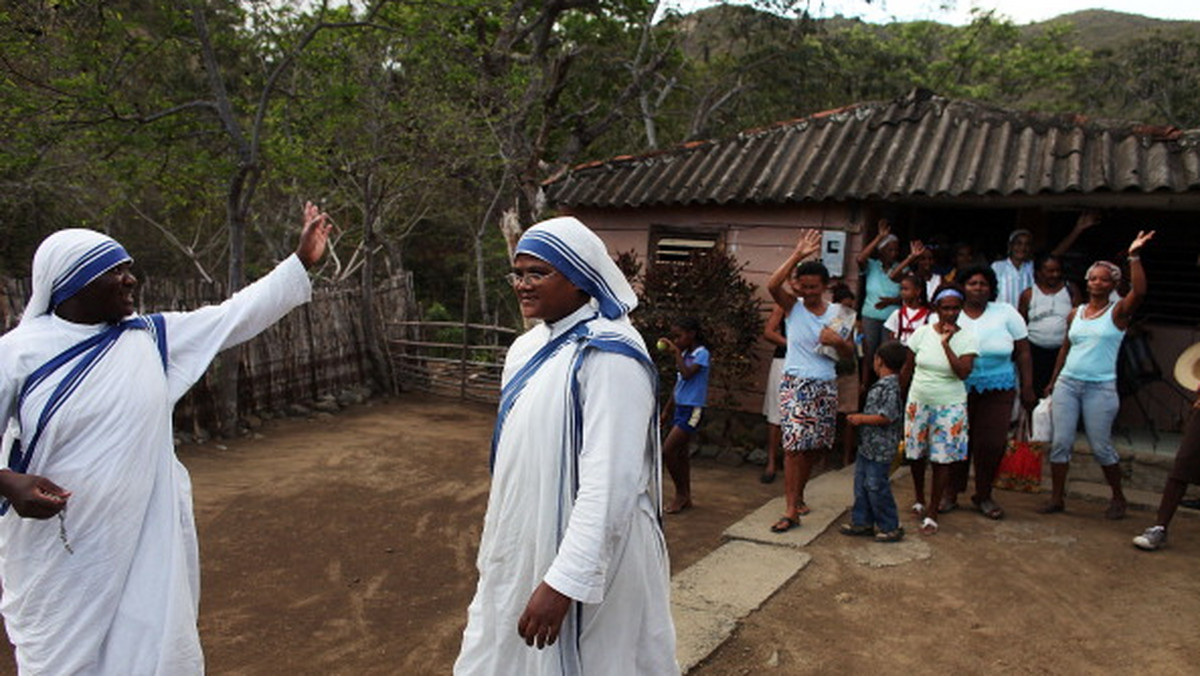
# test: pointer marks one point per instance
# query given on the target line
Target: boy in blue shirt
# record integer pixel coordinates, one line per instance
(881, 425)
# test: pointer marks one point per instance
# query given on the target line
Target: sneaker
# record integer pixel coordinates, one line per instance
(1151, 539)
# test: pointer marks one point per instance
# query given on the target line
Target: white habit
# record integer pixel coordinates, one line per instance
(575, 500)
(125, 602)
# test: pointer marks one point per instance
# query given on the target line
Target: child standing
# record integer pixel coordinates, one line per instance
(687, 402)
(880, 425)
(913, 312)
(935, 418)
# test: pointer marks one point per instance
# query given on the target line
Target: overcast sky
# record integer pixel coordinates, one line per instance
(958, 12)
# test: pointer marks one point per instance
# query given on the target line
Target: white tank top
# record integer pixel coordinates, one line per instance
(1048, 317)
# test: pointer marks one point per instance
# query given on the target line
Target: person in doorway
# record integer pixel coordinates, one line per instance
(573, 569)
(881, 297)
(98, 552)
(1084, 383)
(685, 405)
(1014, 272)
(920, 264)
(808, 394)
(1045, 307)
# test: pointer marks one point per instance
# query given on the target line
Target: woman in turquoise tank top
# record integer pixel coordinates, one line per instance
(1085, 376)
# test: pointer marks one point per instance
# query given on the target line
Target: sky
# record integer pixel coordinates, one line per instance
(958, 12)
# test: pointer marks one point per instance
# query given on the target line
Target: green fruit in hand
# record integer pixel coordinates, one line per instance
(662, 345)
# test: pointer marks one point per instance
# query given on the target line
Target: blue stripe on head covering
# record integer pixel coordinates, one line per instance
(95, 262)
(568, 245)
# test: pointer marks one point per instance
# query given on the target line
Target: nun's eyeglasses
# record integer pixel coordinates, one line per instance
(530, 277)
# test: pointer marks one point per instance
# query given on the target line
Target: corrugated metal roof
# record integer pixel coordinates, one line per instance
(917, 145)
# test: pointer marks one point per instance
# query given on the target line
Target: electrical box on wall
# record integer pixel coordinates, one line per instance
(833, 251)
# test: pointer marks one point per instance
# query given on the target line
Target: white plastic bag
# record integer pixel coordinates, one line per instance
(1042, 424)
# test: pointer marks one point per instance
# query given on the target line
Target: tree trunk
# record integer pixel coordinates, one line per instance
(381, 373)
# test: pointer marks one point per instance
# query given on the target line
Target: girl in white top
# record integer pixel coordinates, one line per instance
(914, 312)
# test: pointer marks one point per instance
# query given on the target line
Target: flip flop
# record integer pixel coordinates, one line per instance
(784, 524)
(766, 477)
(929, 527)
(1051, 508)
(989, 508)
(804, 510)
(918, 510)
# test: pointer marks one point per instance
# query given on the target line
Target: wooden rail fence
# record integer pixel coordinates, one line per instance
(455, 359)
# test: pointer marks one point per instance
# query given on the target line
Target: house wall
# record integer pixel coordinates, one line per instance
(762, 237)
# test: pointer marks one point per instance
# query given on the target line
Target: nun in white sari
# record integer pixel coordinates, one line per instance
(573, 571)
(98, 556)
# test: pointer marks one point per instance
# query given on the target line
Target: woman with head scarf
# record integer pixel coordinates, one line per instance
(110, 586)
(573, 572)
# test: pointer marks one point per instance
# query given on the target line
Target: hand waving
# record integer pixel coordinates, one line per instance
(809, 243)
(314, 235)
(1140, 241)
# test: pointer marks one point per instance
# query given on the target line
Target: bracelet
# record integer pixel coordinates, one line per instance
(1133, 258)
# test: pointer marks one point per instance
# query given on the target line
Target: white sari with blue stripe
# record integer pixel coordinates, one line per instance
(124, 599)
(575, 502)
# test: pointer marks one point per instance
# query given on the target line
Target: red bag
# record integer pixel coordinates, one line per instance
(1021, 467)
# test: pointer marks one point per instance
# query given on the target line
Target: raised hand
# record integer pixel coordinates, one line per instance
(1140, 241)
(314, 235)
(809, 243)
(1087, 219)
(885, 229)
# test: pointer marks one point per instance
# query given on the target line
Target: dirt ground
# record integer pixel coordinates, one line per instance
(345, 545)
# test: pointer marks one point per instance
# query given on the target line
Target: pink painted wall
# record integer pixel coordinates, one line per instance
(762, 237)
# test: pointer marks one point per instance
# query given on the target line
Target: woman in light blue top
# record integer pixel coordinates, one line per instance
(881, 298)
(808, 392)
(1085, 377)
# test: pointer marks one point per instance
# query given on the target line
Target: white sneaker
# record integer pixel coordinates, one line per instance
(1151, 539)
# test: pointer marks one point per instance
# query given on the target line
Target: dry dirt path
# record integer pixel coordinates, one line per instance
(345, 545)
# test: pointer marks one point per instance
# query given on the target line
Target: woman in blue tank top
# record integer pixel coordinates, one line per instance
(1085, 377)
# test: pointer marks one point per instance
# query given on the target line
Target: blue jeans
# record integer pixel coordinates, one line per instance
(873, 501)
(1098, 403)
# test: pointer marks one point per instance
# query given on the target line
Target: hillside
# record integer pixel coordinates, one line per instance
(1099, 29)
(1108, 64)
